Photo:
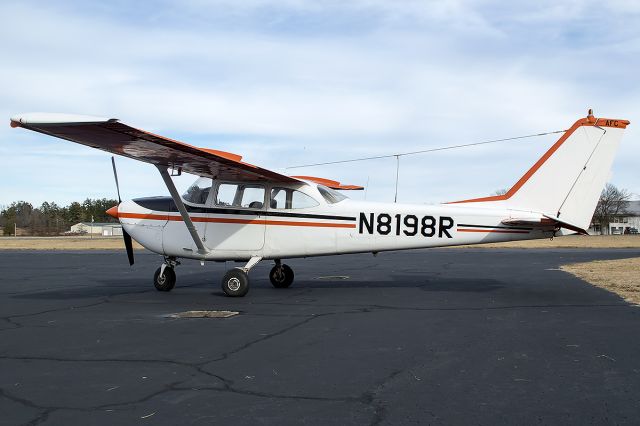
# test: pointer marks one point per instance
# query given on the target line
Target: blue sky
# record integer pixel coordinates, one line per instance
(293, 81)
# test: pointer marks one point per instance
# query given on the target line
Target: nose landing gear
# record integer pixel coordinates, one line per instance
(165, 277)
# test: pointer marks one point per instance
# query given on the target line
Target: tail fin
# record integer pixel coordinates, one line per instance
(567, 180)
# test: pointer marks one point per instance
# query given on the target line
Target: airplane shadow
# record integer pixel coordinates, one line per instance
(428, 284)
(130, 285)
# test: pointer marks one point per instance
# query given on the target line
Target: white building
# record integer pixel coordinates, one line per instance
(626, 223)
(104, 229)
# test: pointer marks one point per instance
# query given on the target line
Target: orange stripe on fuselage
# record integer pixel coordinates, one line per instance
(495, 231)
(153, 216)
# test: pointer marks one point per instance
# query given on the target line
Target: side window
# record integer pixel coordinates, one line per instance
(278, 198)
(252, 196)
(226, 194)
(287, 198)
(240, 195)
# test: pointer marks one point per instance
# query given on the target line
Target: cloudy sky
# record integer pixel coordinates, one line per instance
(290, 82)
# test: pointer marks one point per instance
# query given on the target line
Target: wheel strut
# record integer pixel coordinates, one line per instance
(235, 282)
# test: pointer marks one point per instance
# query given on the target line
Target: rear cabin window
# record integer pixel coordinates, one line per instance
(330, 195)
(198, 192)
(287, 198)
(247, 196)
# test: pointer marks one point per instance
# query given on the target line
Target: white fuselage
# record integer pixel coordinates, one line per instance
(347, 226)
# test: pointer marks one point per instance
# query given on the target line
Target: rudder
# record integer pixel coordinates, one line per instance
(567, 180)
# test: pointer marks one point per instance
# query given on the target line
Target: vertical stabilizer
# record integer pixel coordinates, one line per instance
(567, 180)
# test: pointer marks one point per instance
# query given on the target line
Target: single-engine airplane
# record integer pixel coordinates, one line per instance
(240, 212)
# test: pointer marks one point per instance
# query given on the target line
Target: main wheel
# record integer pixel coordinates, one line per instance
(235, 283)
(166, 281)
(281, 276)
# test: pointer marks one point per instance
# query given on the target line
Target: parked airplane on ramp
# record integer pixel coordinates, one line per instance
(241, 212)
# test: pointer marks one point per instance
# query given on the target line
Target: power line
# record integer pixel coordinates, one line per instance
(424, 151)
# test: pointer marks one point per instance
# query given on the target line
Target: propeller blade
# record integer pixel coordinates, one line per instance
(115, 175)
(128, 245)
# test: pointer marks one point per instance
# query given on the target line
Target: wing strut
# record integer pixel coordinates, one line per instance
(183, 210)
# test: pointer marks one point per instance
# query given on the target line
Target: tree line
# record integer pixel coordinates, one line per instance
(50, 218)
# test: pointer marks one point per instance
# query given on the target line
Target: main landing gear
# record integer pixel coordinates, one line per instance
(236, 281)
(281, 275)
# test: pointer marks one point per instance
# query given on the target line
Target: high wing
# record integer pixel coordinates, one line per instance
(109, 134)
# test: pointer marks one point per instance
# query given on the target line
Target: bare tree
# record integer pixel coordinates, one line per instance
(500, 191)
(612, 202)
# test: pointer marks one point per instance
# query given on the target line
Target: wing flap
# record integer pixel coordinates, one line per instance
(333, 184)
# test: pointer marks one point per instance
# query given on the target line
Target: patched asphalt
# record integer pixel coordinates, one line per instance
(442, 337)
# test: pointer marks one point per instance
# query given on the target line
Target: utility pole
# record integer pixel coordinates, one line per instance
(91, 232)
(395, 198)
(15, 229)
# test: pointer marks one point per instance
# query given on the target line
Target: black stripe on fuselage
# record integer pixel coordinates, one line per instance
(166, 204)
(495, 227)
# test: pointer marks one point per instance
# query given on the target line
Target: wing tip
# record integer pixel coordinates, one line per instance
(52, 118)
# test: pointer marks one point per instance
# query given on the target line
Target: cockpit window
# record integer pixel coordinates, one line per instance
(198, 192)
(287, 198)
(330, 195)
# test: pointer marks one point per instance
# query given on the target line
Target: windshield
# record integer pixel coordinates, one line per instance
(198, 192)
(330, 195)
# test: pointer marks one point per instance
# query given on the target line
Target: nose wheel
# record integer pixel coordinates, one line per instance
(165, 277)
(281, 275)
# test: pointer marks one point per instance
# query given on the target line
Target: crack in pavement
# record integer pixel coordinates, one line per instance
(371, 397)
(10, 318)
(227, 384)
(105, 299)
(226, 355)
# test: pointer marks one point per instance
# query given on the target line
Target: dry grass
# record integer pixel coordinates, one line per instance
(621, 276)
(571, 241)
(64, 243)
(115, 243)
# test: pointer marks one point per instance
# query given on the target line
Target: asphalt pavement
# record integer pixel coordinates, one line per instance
(441, 337)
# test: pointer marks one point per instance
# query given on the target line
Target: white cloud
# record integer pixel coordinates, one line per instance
(285, 82)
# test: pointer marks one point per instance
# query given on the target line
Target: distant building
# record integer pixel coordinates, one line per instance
(104, 229)
(626, 223)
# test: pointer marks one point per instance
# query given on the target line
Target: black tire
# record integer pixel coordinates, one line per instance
(167, 281)
(235, 283)
(281, 276)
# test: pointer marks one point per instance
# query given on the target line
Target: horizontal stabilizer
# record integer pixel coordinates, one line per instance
(549, 222)
(567, 225)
